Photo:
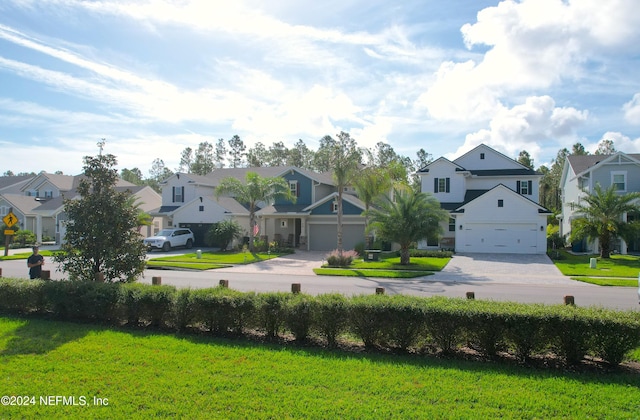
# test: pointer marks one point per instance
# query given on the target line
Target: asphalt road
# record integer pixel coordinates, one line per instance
(445, 284)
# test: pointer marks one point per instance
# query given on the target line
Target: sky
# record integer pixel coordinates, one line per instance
(153, 77)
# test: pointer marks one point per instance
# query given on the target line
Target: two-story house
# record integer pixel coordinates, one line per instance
(310, 223)
(581, 174)
(38, 202)
(492, 201)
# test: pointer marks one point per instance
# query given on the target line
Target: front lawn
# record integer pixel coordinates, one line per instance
(209, 260)
(25, 255)
(133, 374)
(387, 267)
(618, 266)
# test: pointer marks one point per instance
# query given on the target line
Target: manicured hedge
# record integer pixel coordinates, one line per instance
(377, 321)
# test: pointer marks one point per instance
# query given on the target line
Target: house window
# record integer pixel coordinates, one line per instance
(619, 180)
(178, 194)
(48, 194)
(334, 207)
(293, 187)
(201, 208)
(524, 187)
(482, 156)
(441, 185)
(452, 224)
(500, 203)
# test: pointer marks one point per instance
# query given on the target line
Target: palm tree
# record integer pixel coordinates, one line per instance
(345, 158)
(253, 190)
(371, 183)
(410, 217)
(600, 217)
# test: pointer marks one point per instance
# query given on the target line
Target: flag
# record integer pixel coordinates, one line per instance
(256, 229)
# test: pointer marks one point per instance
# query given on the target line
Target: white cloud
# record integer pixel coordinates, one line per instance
(531, 126)
(632, 110)
(533, 44)
(620, 142)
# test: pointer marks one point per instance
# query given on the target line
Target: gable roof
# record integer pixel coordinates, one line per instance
(13, 184)
(584, 163)
(22, 203)
(484, 148)
(345, 197)
(473, 195)
(441, 160)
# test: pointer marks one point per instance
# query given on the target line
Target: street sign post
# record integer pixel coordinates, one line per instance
(10, 219)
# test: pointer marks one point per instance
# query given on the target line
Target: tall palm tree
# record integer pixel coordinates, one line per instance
(600, 217)
(411, 216)
(345, 158)
(253, 190)
(371, 183)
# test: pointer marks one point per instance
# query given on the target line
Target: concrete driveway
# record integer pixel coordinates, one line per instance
(503, 268)
(463, 268)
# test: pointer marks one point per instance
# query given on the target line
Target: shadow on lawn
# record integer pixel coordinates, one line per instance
(40, 337)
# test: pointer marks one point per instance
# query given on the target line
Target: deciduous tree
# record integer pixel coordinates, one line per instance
(101, 234)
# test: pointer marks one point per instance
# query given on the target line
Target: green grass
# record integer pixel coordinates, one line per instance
(209, 260)
(389, 267)
(393, 263)
(25, 255)
(618, 266)
(608, 281)
(145, 375)
(351, 272)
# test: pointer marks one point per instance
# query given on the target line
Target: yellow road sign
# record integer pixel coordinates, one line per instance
(10, 219)
(9, 232)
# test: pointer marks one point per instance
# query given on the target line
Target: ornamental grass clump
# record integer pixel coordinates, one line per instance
(341, 259)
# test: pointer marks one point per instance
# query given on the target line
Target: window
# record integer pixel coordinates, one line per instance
(500, 203)
(48, 194)
(441, 185)
(452, 224)
(482, 156)
(293, 187)
(619, 180)
(201, 208)
(178, 194)
(334, 207)
(524, 187)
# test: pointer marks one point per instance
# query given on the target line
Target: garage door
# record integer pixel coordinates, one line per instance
(325, 237)
(499, 238)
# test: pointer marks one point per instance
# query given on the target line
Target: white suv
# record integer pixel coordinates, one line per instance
(170, 238)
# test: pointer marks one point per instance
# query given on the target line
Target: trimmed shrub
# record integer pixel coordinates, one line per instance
(182, 313)
(445, 322)
(330, 316)
(21, 296)
(271, 310)
(299, 316)
(146, 304)
(406, 321)
(524, 329)
(369, 316)
(613, 334)
(485, 326)
(215, 308)
(338, 259)
(98, 301)
(567, 332)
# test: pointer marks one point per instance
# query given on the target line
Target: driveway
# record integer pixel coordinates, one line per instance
(463, 268)
(503, 268)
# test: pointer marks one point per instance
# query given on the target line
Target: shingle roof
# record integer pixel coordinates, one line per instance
(581, 163)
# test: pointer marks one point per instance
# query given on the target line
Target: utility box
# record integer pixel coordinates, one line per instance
(372, 255)
(593, 262)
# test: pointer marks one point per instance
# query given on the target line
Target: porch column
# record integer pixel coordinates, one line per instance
(39, 229)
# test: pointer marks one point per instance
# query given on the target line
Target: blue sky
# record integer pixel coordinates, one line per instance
(156, 76)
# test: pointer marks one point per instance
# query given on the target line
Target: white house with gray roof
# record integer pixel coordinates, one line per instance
(492, 202)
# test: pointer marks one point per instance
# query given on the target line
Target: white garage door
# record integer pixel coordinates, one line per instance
(499, 238)
(325, 237)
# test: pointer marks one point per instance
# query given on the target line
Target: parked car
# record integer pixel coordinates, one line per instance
(170, 238)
